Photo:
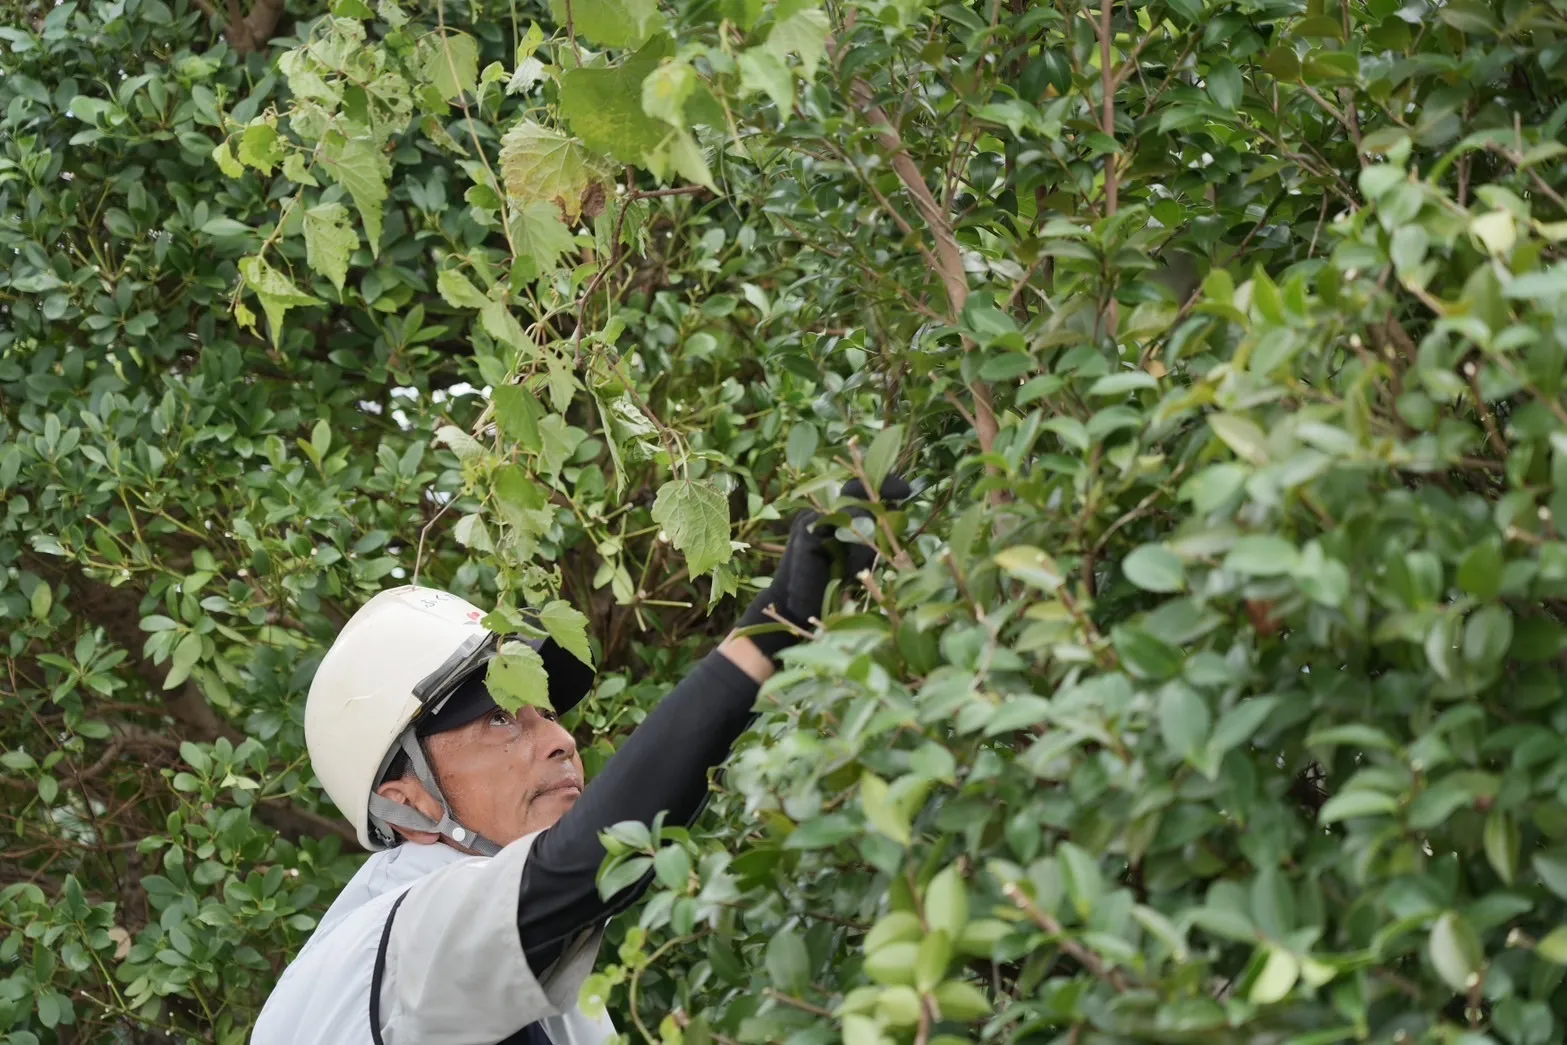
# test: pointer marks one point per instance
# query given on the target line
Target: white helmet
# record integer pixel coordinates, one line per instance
(397, 661)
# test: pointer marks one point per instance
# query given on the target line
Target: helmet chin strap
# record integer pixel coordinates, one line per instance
(396, 814)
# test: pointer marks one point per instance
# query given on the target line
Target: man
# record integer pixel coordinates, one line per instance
(478, 917)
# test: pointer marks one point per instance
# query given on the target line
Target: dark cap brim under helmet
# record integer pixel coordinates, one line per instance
(570, 680)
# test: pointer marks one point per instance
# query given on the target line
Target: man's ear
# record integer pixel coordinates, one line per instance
(409, 792)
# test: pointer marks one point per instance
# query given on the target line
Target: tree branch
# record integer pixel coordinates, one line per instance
(947, 259)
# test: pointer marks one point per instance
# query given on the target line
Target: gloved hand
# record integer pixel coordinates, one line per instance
(800, 582)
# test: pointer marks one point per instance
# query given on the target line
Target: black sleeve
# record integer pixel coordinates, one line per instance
(662, 766)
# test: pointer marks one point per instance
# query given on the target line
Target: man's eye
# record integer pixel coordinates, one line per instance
(500, 718)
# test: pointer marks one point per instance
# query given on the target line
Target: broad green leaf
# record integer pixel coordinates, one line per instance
(568, 627)
(605, 107)
(451, 62)
(1502, 841)
(610, 23)
(516, 678)
(226, 162)
(1184, 719)
(260, 147)
(803, 34)
(946, 902)
(883, 454)
(1553, 946)
(672, 866)
(329, 240)
(1225, 85)
(559, 441)
(695, 516)
(538, 233)
(499, 323)
(1455, 952)
(788, 963)
(1262, 555)
(518, 414)
(762, 70)
(1144, 655)
(1153, 567)
(541, 165)
(1349, 805)
(186, 653)
(458, 290)
(801, 447)
(1487, 634)
(465, 446)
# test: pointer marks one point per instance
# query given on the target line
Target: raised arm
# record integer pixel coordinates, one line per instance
(663, 766)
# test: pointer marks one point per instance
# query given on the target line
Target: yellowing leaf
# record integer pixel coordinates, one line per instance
(1495, 230)
(1031, 566)
(1277, 978)
(1241, 435)
(275, 291)
(329, 240)
(880, 811)
(665, 90)
(696, 518)
(226, 161)
(538, 164)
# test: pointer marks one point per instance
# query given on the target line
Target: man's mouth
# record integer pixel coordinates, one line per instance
(570, 787)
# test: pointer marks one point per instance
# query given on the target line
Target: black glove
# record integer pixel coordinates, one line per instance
(800, 582)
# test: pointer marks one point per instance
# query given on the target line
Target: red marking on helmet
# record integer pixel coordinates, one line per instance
(474, 615)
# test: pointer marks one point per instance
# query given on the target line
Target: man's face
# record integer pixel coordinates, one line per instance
(507, 775)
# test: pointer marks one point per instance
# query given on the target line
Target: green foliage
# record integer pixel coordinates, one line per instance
(1209, 690)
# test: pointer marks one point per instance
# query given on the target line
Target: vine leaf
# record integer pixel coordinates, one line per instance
(359, 168)
(539, 234)
(696, 518)
(804, 34)
(451, 63)
(458, 290)
(609, 23)
(568, 627)
(276, 292)
(329, 240)
(604, 107)
(541, 165)
(516, 678)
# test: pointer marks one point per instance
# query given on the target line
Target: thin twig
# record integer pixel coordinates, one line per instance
(1047, 921)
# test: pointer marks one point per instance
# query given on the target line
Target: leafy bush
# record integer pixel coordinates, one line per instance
(1209, 690)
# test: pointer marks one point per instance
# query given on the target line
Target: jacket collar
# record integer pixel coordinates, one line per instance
(391, 870)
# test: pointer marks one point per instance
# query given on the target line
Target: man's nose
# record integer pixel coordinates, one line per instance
(551, 740)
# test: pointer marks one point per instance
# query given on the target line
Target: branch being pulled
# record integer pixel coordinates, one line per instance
(947, 259)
